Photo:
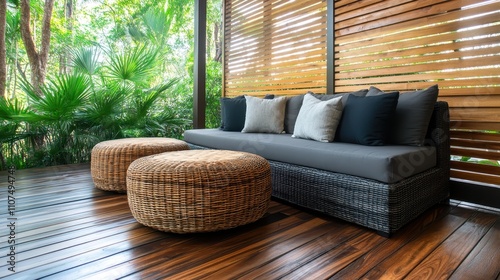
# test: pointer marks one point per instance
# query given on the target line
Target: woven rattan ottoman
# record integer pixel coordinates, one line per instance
(110, 159)
(198, 190)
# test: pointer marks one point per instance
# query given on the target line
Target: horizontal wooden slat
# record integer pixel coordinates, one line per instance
(319, 77)
(475, 135)
(475, 125)
(473, 102)
(412, 82)
(282, 73)
(491, 155)
(478, 177)
(277, 87)
(474, 113)
(342, 7)
(407, 87)
(369, 13)
(471, 91)
(284, 92)
(475, 167)
(431, 54)
(477, 144)
(422, 69)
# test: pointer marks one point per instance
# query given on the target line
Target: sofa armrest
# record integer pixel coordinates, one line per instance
(438, 135)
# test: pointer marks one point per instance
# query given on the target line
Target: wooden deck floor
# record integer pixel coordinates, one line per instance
(64, 228)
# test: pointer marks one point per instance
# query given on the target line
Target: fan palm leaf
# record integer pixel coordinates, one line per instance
(60, 97)
(136, 66)
(85, 60)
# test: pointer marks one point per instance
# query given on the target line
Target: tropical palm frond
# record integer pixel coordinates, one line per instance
(104, 107)
(136, 66)
(135, 33)
(12, 29)
(60, 97)
(165, 85)
(85, 60)
(9, 109)
(158, 25)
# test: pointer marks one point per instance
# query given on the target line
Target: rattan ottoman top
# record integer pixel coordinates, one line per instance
(110, 159)
(198, 190)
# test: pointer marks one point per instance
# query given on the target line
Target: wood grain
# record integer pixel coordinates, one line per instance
(70, 230)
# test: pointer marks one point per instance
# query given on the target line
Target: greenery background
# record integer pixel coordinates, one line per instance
(115, 69)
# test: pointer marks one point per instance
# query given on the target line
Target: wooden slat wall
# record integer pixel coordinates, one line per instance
(407, 45)
(274, 47)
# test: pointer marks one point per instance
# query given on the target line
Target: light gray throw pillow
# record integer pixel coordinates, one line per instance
(317, 119)
(265, 115)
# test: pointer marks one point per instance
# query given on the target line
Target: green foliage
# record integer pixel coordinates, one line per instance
(85, 60)
(120, 68)
(213, 94)
(480, 161)
(60, 97)
(135, 67)
(78, 110)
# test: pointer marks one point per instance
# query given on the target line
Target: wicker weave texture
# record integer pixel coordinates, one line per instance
(198, 190)
(111, 159)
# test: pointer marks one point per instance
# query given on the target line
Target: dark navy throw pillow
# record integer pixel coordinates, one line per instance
(367, 120)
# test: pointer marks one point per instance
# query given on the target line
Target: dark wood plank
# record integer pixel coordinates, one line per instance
(198, 249)
(484, 260)
(359, 267)
(336, 259)
(68, 229)
(234, 254)
(399, 264)
(300, 256)
(441, 263)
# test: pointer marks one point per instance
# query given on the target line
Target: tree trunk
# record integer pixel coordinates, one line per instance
(218, 42)
(3, 50)
(38, 60)
(64, 56)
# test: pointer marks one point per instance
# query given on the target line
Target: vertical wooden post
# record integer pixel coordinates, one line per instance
(330, 47)
(200, 49)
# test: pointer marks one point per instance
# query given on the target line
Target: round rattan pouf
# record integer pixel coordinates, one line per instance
(198, 190)
(110, 159)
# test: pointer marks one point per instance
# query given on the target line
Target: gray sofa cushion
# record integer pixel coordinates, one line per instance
(388, 164)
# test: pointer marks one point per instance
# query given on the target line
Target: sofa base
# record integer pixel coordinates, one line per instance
(379, 206)
(382, 207)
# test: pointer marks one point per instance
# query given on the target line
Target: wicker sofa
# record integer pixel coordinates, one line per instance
(384, 203)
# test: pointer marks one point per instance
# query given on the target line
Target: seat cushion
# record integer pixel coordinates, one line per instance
(388, 164)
